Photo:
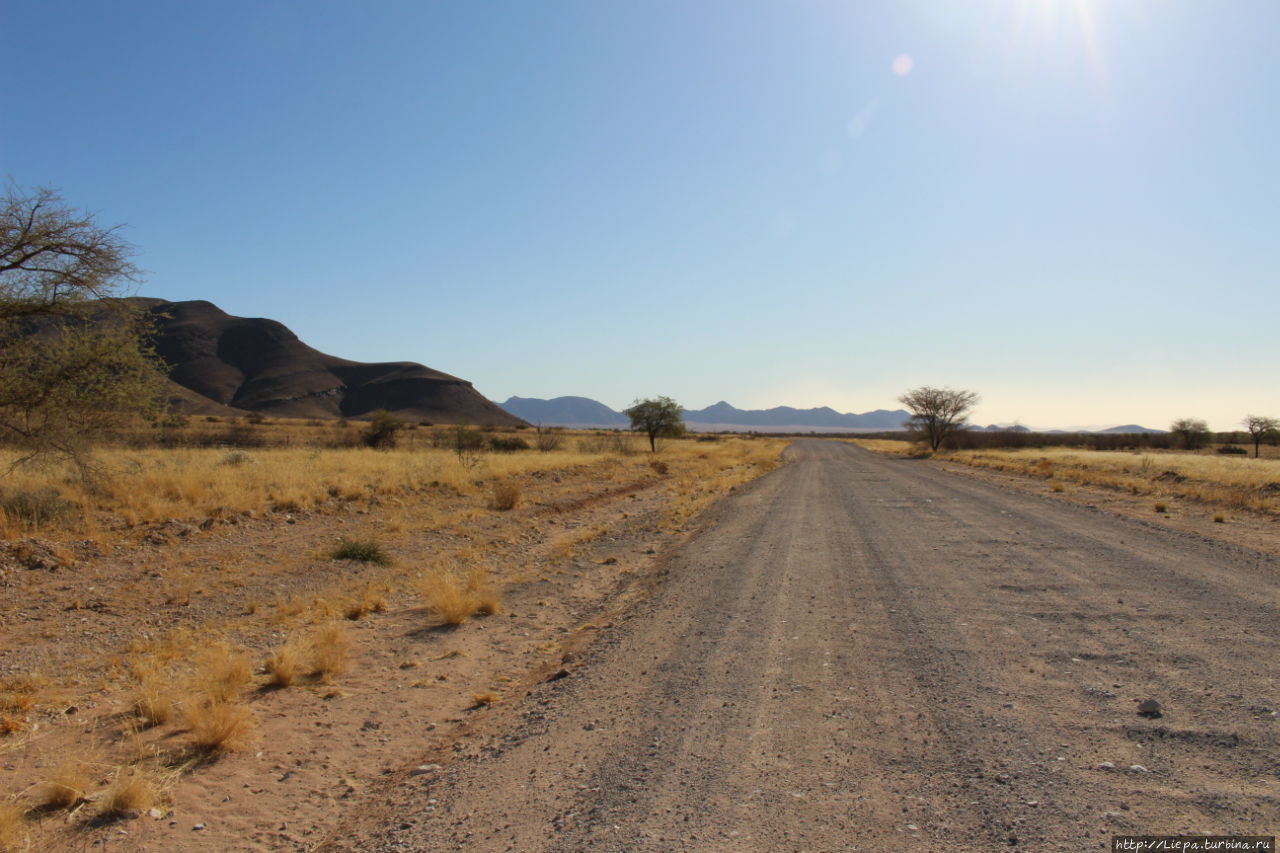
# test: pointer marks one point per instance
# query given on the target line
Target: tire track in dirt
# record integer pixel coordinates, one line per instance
(865, 653)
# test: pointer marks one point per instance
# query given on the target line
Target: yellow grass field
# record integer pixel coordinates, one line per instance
(190, 588)
(1233, 482)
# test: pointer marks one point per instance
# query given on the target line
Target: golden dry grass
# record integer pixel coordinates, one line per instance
(506, 495)
(133, 790)
(218, 725)
(221, 672)
(1231, 481)
(66, 786)
(12, 826)
(327, 651)
(285, 664)
(18, 696)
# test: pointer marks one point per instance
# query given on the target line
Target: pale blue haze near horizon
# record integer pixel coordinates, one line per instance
(1069, 206)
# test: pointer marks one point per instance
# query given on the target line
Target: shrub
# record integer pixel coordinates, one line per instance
(1233, 450)
(505, 496)
(465, 439)
(547, 439)
(361, 552)
(1161, 507)
(36, 507)
(383, 430)
(508, 445)
(659, 466)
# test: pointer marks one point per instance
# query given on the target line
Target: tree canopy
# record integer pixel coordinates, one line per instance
(1192, 432)
(936, 413)
(72, 355)
(1260, 428)
(658, 417)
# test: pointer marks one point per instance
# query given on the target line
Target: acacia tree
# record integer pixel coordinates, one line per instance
(73, 360)
(1260, 428)
(657, 417)
(937, 413)
(1192, 432)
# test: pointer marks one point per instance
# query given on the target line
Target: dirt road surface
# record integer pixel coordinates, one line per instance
(867, 653)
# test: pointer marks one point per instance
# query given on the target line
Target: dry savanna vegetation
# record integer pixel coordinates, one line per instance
(163, 623)
(1206, 482)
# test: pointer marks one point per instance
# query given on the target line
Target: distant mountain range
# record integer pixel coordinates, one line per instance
(221, 364)
(584, 412)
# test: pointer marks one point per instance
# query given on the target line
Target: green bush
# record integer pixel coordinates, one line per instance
(383, 430)
(361, 552)
(508, 445)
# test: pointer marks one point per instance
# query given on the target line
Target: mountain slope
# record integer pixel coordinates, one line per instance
(563, 411)
(260, 365)
(582, 411)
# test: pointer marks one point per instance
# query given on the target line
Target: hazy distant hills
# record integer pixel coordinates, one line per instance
(584, 412)
(223, 363)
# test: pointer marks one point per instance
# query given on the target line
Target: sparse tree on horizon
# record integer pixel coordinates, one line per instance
(1261, 428)
(73, 361)
(1192, 432)
(937, 413)
(658, 417)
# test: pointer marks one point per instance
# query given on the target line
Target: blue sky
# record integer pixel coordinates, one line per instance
(1069, 206)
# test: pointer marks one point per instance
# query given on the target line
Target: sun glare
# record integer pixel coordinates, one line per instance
(1057, 26)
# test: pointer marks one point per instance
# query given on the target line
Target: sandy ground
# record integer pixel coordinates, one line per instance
(578, 549)
(868, 653)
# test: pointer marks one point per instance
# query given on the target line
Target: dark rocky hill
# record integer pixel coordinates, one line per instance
(259, 365)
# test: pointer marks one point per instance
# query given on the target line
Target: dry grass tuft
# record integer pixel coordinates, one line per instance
(455, 597)
(285, 664)
(133, 791)
(330, 644)
(12, 826)
(370, 600)
(153, 699)
(485, 594)
(218, 726)
(447, 597)
(66, 787)
(222, 672)
(506, 495)
(484, 700)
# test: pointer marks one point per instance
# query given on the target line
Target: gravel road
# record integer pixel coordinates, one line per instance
(866, 653)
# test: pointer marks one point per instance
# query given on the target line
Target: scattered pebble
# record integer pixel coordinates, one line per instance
(1149, 708)
(424, 769)
(1138, 768)
(1107, 765)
